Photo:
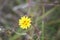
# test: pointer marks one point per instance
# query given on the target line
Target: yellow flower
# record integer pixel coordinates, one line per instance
(25, 22)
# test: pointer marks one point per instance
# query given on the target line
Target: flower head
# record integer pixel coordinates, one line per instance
(25, 22)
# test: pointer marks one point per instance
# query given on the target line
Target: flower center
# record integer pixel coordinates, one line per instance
(25, 22)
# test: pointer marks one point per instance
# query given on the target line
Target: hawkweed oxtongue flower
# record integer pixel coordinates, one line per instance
(25, 22)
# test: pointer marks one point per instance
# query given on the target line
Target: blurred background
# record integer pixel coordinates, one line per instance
(45, 15)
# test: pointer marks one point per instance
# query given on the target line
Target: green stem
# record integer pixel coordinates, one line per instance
(43, 12)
